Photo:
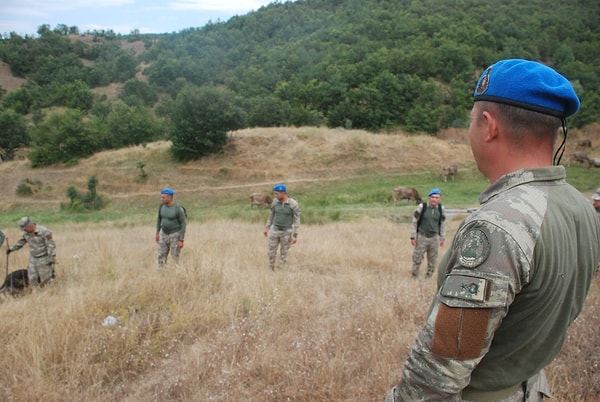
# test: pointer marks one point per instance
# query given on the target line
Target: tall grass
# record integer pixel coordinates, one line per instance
(335, 325)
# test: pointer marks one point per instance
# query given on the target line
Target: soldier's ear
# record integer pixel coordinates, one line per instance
(492, 124)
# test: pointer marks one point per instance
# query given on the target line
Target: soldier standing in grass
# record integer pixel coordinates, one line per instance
(428, 232)
(519, 268)
(42, 251)
(170, 227)
(282, 225)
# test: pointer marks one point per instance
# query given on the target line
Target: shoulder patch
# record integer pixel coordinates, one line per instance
(465, 287)
(474, 248)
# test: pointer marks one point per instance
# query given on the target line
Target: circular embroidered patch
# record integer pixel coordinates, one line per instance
(474, 249)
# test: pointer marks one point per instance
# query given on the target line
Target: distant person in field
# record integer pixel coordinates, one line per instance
(521, 266)
(282, 225)
(596, 202)
(170, 227)
(428, 232)
(42, 251)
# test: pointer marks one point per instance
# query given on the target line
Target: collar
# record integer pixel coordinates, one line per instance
(522, 176)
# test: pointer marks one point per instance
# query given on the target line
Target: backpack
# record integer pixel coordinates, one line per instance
(184, 210)
(442, 217)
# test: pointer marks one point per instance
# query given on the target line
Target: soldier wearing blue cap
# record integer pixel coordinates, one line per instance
(428, 232)
(282, 225)
(170, 227)
(520, 267)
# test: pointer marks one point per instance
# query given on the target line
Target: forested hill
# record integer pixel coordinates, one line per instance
(376, 64)
(373, 65)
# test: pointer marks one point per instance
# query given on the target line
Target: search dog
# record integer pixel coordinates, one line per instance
(15, 282)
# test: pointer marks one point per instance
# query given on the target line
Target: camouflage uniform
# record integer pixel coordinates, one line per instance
(431, 230)
(516, 276)
(171, 224)
(42, 255)
(282, 224)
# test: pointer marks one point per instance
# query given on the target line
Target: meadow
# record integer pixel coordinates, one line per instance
(335, 325)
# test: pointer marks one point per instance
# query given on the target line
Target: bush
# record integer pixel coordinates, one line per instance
(89, 201)
(28, 187)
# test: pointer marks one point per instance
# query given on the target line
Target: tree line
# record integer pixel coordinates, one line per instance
(380, 65)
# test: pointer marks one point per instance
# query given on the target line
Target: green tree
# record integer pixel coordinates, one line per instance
(14, 133)
(201, 118)
(61, 138)
(129, 125)
(135, 92)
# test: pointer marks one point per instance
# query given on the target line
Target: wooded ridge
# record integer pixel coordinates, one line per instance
(380, 65)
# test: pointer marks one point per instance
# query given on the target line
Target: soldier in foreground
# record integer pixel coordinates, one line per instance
(519, 269)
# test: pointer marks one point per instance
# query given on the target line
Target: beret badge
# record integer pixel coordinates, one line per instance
(484, 82)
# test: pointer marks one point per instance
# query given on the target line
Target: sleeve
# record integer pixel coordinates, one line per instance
(297, 212)
(50, 244)
(20, 243)
(443, 224)
(182, 222)
(471, 302)
(271, 213)
(415, 222)
(158, 220)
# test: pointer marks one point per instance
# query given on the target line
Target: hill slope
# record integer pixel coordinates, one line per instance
(253, 161)
(327, 166)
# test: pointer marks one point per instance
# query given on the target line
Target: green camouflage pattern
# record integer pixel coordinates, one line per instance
(532, 226)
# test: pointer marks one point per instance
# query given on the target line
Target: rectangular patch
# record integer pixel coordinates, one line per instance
(460, 333)
(465, 287)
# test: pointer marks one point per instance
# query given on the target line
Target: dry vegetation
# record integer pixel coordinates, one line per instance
(253, 160)
(335, 325)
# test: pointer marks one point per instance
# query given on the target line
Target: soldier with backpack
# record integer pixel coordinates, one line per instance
(170, 227)
(428, 232)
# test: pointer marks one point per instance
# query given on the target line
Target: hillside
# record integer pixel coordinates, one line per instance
(308, 159)
(252, 161)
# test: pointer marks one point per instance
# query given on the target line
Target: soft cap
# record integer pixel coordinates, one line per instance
(24, 222)
(168, 191)
(280, 188)
(528, 85)
(434, 191)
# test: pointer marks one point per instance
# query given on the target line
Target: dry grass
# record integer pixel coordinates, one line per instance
(335, 325)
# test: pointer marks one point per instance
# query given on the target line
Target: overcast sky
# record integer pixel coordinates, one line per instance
(121, 16)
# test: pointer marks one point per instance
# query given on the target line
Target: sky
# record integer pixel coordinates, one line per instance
(24, 17)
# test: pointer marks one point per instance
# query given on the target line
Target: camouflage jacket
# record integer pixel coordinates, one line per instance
(533, 247)
(40, 243)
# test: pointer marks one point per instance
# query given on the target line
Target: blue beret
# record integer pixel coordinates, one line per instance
(280, 188)
(168, 191)
(528, 85)
(434, 191)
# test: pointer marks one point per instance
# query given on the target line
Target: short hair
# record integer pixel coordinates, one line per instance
(522, 122)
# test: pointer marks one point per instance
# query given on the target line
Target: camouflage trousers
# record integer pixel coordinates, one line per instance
(429, 245)
(40, 270)
(279, 239)
(167, 243)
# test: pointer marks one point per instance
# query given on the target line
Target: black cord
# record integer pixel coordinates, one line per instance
(562, 146)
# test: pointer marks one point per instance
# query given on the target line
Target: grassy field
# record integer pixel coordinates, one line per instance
(335, 325)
